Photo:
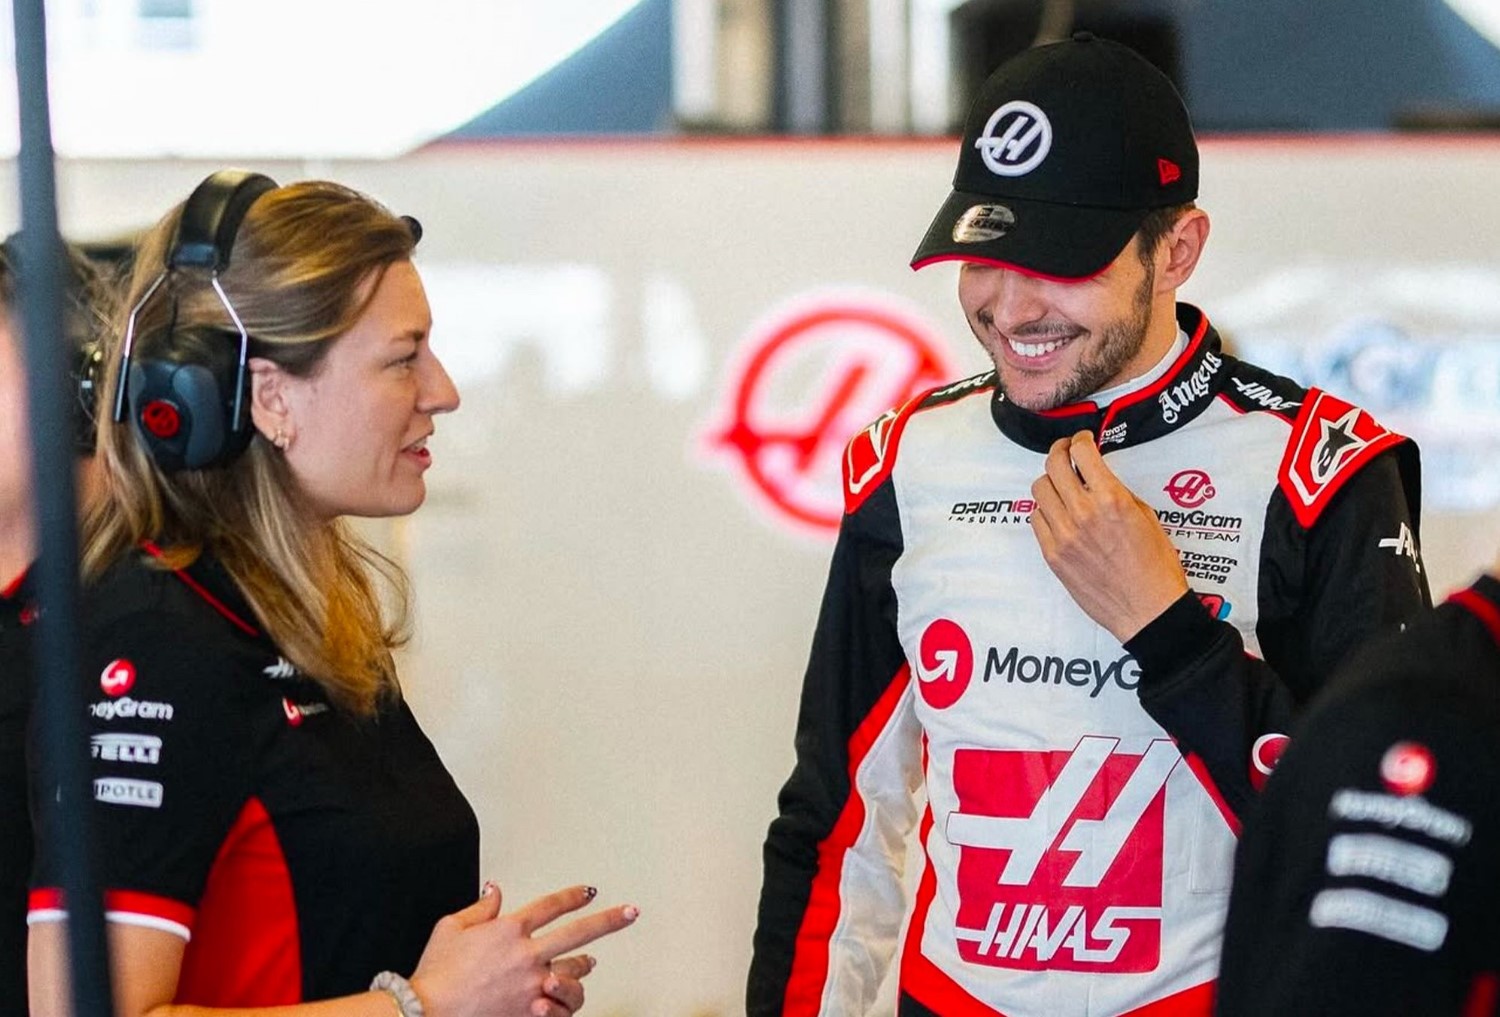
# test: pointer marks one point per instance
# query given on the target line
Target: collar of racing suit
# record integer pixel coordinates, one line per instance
(1179, 395)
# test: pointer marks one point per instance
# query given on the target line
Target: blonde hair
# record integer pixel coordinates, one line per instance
(304, 265)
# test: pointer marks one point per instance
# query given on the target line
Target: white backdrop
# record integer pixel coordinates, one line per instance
(613, 618)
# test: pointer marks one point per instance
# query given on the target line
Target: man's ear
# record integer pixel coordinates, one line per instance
(1181, 248)
(270, 407)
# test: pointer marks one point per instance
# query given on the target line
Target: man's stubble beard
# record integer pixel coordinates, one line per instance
(1121, 341)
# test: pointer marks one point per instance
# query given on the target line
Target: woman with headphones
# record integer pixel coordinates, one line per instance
(275, 828)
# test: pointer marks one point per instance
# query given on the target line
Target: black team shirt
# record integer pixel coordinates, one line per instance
(1368, 881)
(299, 850)
(16, 613)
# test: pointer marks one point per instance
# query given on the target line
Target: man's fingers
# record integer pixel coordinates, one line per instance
(575, 966)
(482, 910)
(1089, 461)
(554, 905)
(544, 1007)
(584, 930)
(564, 990)
(1044, 536)
(1058, 469)
(1050, 511)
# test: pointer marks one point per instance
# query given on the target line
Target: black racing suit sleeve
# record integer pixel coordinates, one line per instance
(855, 660)
(1324, 590)
(1354, 896)
(170, 765)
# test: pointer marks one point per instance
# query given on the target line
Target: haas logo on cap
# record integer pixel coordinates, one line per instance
(1016, 139)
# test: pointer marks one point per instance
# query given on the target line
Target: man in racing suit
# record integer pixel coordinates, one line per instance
(1076, 599)
(1367, 880)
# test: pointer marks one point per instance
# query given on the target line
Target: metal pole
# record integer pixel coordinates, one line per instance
(58, 709)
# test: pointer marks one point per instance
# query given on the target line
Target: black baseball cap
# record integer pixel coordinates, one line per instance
(1066, 149)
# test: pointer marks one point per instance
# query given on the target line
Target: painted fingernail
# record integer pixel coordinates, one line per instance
(488, 889)
(591, 961)
(631, 912)
(550, 985)
(590, 892)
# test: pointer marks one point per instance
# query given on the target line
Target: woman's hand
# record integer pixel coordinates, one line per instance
(481, 963)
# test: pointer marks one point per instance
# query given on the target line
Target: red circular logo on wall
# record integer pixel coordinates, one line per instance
(1407, 768)
(117, 677)
(945, 664)
(810, 378)
(1190, 488)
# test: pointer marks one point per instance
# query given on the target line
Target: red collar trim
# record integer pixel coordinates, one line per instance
(198, 588)
(14, 586)
(1480, 607)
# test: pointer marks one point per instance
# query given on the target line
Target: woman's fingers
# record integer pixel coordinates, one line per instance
(482, 910)
(574, 966)
(563, 990)
(584, 930)
(552, 906)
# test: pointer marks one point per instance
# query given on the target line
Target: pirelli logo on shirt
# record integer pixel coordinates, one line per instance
(1060, 861)
(126, 748)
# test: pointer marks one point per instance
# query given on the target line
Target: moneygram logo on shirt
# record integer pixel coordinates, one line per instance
(946, 665)
(1060, 856)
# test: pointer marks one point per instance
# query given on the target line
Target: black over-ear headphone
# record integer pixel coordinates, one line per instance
(82, 325)
(188, 391)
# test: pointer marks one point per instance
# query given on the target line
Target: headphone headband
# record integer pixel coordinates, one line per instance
(211, 217)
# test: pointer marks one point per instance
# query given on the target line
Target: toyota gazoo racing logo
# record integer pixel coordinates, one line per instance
(946, 664)
(1016, 139)
(1060, 860)
(1190, 488)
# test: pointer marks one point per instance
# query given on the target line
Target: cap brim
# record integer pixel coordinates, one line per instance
(1043, 239)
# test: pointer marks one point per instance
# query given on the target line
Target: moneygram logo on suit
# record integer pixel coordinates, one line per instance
(946, 667)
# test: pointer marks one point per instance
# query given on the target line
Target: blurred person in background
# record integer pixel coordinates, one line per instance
(86, 310)
(275, 829)
(1076, 599)
(1367, 881)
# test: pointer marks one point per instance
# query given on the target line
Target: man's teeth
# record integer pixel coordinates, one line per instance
(417, 446)
(1035, 349)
